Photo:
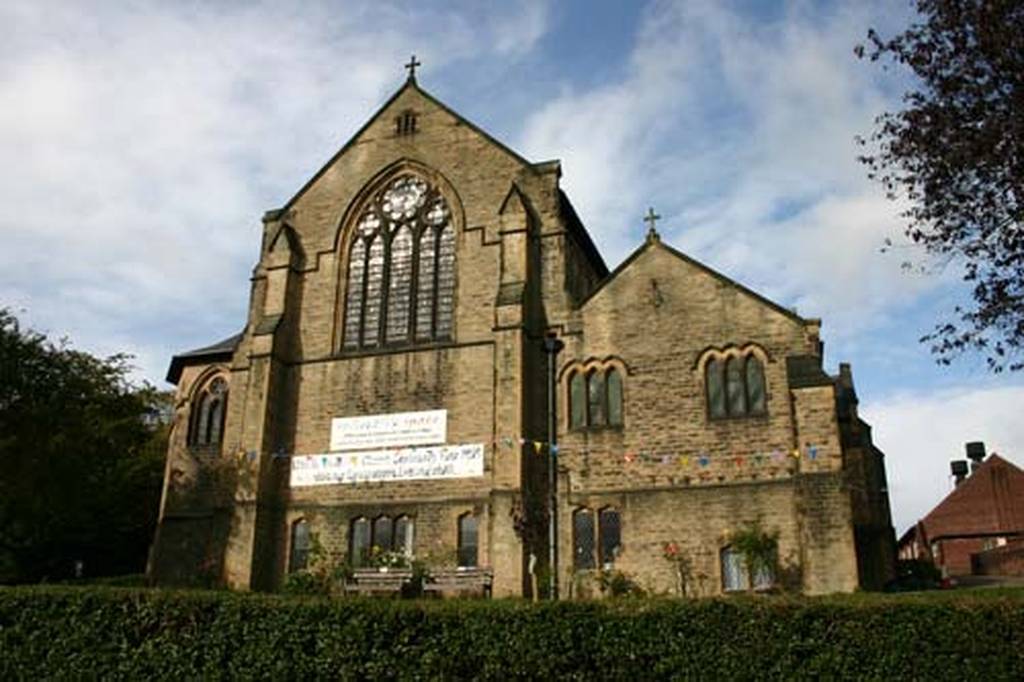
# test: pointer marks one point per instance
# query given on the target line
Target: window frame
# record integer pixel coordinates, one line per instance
(204, 405)
(717, 367)
(293, 549)
(597, 559)
(461, 549)
(761, 580)
(353, 336)
(585, 374)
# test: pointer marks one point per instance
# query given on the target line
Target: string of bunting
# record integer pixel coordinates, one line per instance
(703, 459)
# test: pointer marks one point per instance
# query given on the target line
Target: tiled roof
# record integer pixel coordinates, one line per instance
(989, 502)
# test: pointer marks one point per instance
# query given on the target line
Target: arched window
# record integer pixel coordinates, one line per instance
(209, 408)
(735, 386)
(300, 545)
(402, 536)
(583, 539)
(595, 397)
(359, 542)
(467, 551)
(613, 384)
(610, 536)
(736, 398)
(755, 386)
(401, 268)
(382, 533)
(577, 401)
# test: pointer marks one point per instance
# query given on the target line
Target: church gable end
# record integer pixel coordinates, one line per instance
(389, 395)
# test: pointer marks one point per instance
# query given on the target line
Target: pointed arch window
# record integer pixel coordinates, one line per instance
(301, 542)
(595, 398)
(735, 386)
(400, 286)
(209, 408)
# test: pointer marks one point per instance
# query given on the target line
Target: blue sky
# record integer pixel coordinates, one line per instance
(144, 140)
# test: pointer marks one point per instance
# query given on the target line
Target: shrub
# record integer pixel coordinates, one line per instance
(118, 633)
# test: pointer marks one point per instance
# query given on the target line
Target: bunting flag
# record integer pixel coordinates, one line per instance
(537, 446)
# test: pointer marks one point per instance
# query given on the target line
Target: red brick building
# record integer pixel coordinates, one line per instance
(984, 513)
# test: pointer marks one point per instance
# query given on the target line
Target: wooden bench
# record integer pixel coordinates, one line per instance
(373, 580)
(460, 581)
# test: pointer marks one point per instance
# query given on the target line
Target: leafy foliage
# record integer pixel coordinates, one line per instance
(111, 633)
(81, 460)
(760, 548)
(956, 152)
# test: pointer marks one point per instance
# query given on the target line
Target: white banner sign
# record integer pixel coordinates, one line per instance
(442, 461)
(428, 427)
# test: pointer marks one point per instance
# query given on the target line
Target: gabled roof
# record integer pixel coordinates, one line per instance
(409, 84)
(222, 350)
(989, 502)
(657, 243)
(576, 229)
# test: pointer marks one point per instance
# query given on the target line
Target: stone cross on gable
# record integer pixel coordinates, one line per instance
(651, 218)
(411, 67)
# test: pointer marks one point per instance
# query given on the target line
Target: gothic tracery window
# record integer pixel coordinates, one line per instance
(400, 286)
(209, 407)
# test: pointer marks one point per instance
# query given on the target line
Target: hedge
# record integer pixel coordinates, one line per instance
(118, 633)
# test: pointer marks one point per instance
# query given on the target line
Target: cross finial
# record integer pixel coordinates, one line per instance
(411, 67)
(651, 218)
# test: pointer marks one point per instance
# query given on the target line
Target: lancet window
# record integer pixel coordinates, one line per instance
(206, 422)
(400, 286)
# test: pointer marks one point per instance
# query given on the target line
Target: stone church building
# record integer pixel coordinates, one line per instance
(388, 396)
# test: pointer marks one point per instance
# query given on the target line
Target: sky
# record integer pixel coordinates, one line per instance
(144, 140)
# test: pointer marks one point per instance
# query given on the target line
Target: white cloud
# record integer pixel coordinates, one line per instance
(144, 141)
(740, 131)
(921, 432)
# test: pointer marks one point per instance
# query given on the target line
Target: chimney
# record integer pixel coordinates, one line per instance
(959, 468)
(975, 453)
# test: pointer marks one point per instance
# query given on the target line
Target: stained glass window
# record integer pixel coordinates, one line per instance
(716, 389)
(613, 383)
(445, 282)
(400, 284)
(300, 546)
(610, 541)
(359, 542)
(467, 551)
(583, 539)
(425, 286)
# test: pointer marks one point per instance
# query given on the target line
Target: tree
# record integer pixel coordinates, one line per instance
(81, 460)
(956, 153)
